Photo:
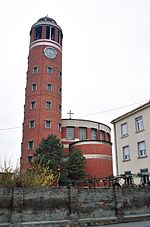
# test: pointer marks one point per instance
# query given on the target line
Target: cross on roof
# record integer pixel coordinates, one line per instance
(70, 113)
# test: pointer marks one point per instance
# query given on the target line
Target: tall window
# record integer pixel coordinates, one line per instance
(30, 145)
(144, 176)
(32, 105)
(48, 87)
(38, 32)
(53, 33)
(47, 124)
(49, 70)
(48, 105)
(34, 87)
(70, 133)
(124, 130)
(93, 133)
(32, 124)
(82, 133)
(102, 135)
(126, 153)
(35, 70)
(141, 149)
(139, 123)
(29, 159)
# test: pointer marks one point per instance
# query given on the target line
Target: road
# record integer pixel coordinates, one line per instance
(131, 224)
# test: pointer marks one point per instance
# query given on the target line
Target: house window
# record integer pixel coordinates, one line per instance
(32, 124)
(139, 124)
(35, 70)
(29, 159)
(141, 149)
(48, 87)
(102, 135)
(34, 87)
(30, 145)
(70, 133)
(32, 105)
(82, 133)
(128, 177)
(93, 133)
(144, 176)
(126, 153)
(124, 130)
(47, 124)
(49, 70)
(48, 105)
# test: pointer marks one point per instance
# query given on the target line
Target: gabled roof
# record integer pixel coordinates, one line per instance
(141, 107)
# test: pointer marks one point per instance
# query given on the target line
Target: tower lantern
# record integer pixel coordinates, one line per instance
(42, 111)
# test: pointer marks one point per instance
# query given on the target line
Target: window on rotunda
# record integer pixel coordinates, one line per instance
(38, 32)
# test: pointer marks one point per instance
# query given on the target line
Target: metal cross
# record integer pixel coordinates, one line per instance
(70, 113)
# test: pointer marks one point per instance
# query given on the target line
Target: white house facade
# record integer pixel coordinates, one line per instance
(132, 143)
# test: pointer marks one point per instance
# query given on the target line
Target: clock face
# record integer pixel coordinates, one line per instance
(50, 52)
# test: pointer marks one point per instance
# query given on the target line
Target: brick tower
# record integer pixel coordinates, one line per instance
(42, 110)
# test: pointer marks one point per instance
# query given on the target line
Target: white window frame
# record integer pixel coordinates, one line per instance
(47, 124)
(35, 70)
(48, 105)
(126, 153)
(70, 133)
(32, 124)
(32, 105)
(48, 85)
(141, 149)
(34, 87)
(93, 133)
(124, 129)
(49, 70)
(82, 133)
(139, 124)
(30, 145)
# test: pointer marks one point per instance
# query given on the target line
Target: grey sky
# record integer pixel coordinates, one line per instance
(106, 59)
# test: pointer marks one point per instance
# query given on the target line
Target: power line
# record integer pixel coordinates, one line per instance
(109, 110)
(2, 129)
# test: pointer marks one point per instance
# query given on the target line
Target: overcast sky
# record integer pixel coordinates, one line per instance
(106, 60)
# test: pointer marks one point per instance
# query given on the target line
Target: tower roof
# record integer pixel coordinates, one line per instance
(46, 21)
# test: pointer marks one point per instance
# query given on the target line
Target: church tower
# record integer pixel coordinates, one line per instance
(42, 110)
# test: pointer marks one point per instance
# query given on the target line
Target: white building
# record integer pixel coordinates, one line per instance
(132, 143)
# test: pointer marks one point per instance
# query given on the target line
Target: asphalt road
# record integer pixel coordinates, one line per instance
(131, 224)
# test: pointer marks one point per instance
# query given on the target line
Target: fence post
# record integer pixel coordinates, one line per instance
(73, 206)
(119, 201)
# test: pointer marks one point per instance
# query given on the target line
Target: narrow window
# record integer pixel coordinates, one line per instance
(144, 176)
(49, 70)
(139, 124)
(38, 32)
(47, 124)
(59, 127)
(34, 87)
(35, 70)
(48, 105)
(59, 108)
(70, 133)
(124, 130)
(108, 137)
(53, 33)
(30, 145)
(93, 133)
(32, 124)
(29, 159)
(102, 135)
(47, 32)
(126, 153)
(48, 87)
(82, 133)
(141, 149)
(32, 105)
(60, 74)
